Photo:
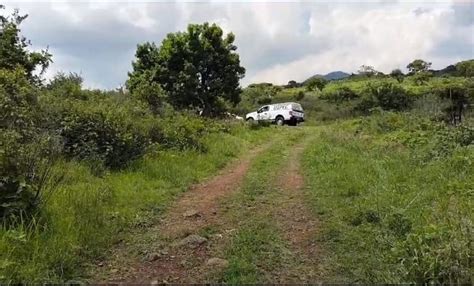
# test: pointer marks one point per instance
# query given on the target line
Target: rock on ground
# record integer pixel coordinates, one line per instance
(217, 262)
(192, 241)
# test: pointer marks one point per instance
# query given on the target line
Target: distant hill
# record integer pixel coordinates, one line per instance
(335, 75)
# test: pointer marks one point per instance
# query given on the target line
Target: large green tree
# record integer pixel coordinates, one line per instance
(465, 68)
(418, 66)
(13, 48)
(196, 69)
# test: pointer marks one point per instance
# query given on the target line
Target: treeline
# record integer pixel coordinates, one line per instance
(447, 95)
(193, 72)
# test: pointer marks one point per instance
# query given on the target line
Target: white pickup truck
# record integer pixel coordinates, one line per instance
(288, 112)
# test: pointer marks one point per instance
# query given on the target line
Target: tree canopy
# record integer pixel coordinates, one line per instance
(316, 82)
(13, 48)
(198, 68)
(418, 66)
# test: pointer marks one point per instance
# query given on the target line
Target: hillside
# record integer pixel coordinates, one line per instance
(335, 75)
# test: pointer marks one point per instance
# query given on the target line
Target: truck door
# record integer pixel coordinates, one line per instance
(263, 113)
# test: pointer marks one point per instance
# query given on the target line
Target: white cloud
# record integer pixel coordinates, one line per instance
(277, 41)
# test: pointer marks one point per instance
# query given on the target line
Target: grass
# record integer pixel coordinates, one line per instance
(88, 214)
(257, 249)
(389, 214)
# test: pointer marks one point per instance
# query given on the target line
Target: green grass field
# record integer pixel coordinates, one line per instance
(390, 213)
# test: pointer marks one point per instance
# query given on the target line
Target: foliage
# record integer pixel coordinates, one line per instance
(385, 95)
(13, 48)
(149, 91)
(293, 84)
(340, 95)
(460, 95)
(398, 75)
(66, 86)
(465, 68)
(316, 82)
(299, 95)
(95, 134)
(26, 153)
(418, 66)
(367, 71)
(421, 77)
(256, 95)
(197, 68)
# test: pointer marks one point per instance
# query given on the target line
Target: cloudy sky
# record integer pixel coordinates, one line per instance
(277, 41)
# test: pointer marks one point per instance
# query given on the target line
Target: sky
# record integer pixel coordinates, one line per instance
(277, 41)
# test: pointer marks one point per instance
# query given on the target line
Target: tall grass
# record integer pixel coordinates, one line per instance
(390, 213)
(88, 214)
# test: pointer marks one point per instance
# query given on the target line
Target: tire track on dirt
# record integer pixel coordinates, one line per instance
(198, 208)
(297, 224)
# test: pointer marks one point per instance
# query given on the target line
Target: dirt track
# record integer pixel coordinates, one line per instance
(200, 210)
(197, 209)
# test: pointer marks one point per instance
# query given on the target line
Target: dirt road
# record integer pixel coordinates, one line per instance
(188, 244)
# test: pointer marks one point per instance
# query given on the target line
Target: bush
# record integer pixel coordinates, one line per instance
(94, 133)
(184, 131)
(27, 153)
(385, 95)
(341, 94)
(299, 95)
(25, 170)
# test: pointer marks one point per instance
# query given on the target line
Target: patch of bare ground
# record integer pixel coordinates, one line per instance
(178, 248)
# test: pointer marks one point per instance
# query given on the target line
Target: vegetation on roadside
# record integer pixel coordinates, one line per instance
(394, 194)
(80, 168)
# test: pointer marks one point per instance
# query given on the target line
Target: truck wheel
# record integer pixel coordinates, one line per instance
(280, 121)
(250, 120)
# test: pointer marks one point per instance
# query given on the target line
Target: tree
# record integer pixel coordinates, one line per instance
(465, 68)
(316, 82)
(198, 68)
(385, 95)
(460, 96)
(292, 84)
(418, 66)
(13, 49)
(398, 75)
(367, 71)
(66, 86)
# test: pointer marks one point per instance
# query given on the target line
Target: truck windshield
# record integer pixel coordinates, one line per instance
(296, 107)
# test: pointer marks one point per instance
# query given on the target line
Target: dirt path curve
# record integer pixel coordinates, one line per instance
(297, 225)
(170, 259)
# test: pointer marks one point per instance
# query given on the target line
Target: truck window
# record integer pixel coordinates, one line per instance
(263, 109)
(296, 107)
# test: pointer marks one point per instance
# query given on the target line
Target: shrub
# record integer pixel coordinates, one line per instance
(385, 95)
(184, 131)
(26, 176)
(66, 86)
(27, 152)
(341, 94)
(299, 95)
(96, 134)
